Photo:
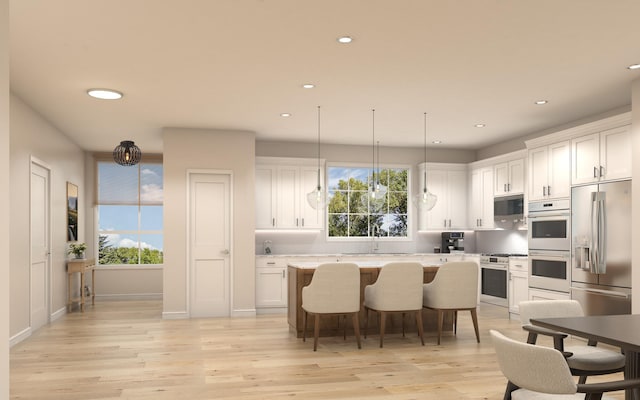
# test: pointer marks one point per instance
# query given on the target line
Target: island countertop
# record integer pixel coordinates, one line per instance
(359, 263)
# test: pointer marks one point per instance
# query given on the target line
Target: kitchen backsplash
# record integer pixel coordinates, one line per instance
(507, 241)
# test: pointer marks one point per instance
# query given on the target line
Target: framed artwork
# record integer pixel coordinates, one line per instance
(72, 212)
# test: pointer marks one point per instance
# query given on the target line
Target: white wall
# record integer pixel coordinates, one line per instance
(33, 136)
(234, 151)
(4, 199)
(635, 208)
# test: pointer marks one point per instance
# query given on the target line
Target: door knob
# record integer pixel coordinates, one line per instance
(225, 252)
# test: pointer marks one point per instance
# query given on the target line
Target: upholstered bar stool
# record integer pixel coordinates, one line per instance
(454, 288)
(334, 290)
(398, 289)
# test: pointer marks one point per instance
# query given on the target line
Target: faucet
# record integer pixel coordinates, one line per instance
(375, 232)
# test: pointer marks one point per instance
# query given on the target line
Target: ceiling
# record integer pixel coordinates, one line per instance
(239, 64)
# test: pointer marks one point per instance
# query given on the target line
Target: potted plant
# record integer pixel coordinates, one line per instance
(77, 249)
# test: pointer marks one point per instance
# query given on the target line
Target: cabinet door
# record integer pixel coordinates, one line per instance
(559, 170)
(615, 153)
(457, 193)
(486, 217)
(538, 173)
(271, 287)
(288, 198)
(265, 197)
(516, 176)
(310, 218)
(585, 159)
(475, 205)
(500, 179)
(518, 290)
(437, 218)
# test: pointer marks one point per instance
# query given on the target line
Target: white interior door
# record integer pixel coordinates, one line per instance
(40, 245)
(209, 242)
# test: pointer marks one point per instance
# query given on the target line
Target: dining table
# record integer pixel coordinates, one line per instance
(621, 331)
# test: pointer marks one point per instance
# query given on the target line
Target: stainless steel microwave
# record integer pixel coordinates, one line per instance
(508, 211)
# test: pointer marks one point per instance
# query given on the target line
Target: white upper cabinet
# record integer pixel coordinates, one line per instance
(550, 171)
(481, 200)
(601, 156)
(449, 183)
(281, 195)
(508, 178)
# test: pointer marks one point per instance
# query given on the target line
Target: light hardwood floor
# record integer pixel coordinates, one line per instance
(124, 350)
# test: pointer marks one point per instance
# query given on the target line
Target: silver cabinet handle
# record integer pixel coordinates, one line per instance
(271, 263)
(445, 223)
(548, 190)
(273, 222)
(544, 191)
(283, 273)
(505, 187)
(601, 171)
(296, 221)
(303, 222)
(595, 172)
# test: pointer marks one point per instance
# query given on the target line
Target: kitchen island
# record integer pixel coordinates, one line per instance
(300, 274)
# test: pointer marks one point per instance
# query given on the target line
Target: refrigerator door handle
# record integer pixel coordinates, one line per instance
(603, 292)
(601, 265)
(593, 243)
(598, 233)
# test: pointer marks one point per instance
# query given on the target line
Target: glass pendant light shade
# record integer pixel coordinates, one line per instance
(425, 201)
(317, 198)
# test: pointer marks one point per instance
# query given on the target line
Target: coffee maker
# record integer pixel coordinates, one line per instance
(453, 242)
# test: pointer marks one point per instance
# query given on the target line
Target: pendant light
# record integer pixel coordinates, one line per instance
(317, 198)
(127, 153)
(377, 191)
(425, 200)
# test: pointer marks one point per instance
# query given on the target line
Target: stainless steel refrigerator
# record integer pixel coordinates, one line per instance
(601, 247)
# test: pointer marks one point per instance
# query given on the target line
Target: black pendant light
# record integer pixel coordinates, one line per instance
(127, 153)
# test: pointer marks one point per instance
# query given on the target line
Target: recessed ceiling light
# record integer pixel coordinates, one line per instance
(285, 114)
(634, 66)
(479, 125)
(104, 94)
(345, 39)
(437, 142)
(308, 86)
(541, 102)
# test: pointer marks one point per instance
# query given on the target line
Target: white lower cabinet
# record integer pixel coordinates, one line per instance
(518, 284)
(541, 294)
(271, 284)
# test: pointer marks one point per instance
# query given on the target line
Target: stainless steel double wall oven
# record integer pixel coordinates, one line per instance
(550, 245)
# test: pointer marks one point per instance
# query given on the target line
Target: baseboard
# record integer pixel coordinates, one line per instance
(136, 296)
(271, 310)
(250, 312)
(58, 314)
(19, 337)
(175, 315)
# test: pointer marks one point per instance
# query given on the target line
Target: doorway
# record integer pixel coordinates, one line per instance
(209, 244)
(40, 244)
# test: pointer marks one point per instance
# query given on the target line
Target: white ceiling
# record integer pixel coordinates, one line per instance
(238, 64)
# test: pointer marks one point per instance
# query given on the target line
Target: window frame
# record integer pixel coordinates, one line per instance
(410, 217)
(107, 157)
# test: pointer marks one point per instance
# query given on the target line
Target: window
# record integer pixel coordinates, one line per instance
(130, 213)
(352, 213)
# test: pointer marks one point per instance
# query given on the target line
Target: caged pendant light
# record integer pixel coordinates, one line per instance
(127, 153)
(425, 200)
(377, 191)
(317, 198)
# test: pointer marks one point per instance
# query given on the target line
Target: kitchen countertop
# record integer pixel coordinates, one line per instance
(351, 255)
(366, 264)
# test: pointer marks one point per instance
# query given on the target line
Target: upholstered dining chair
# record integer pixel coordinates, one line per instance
(454, 288)
(538, 372)
(334, 290)
(583, 360)
(398, 289)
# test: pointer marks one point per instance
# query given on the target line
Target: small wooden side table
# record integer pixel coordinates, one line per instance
(81, 265)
